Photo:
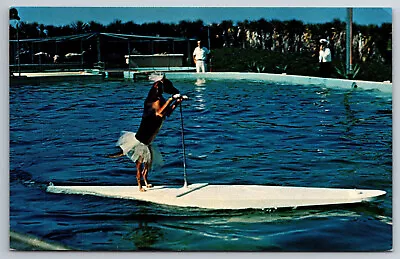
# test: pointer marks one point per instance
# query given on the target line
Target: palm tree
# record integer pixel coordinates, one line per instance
(96, 27)
(183, 28)
(79, 27)
(294, 26)
(42, 31)
(14, 14)
(115, 27)
(264, 25)
(131, 28)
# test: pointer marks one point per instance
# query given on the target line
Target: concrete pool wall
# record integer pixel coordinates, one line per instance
(37, 78)
(285, 79)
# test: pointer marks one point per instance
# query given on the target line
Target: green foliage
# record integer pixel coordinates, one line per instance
(228, 59)
(255, 67)
(375, 71)
(263, 61)
(281, 68)
(14, 14)
(342, 71)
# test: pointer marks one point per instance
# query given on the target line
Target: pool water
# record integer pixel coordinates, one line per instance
(236, 132)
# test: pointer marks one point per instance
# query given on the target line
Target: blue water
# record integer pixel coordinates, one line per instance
(236, 132)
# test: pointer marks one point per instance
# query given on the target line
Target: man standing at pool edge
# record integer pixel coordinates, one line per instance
(325, 58)
(200, 57)
(138, 147)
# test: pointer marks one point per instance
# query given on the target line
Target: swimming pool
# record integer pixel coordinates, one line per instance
(236, 132)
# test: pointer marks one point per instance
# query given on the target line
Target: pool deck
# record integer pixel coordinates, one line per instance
(45, 77)
(24, 242)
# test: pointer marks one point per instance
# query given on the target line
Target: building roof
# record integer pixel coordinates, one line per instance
(122, 37)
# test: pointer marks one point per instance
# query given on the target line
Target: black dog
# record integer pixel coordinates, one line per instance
(138, 146)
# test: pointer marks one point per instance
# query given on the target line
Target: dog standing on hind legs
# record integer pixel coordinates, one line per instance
(142, 170)
(137, 146)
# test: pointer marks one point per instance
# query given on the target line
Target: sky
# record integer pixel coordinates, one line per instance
(59, 16)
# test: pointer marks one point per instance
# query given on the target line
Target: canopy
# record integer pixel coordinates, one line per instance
(123, 37)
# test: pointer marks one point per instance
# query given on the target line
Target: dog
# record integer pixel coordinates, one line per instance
(137, 146)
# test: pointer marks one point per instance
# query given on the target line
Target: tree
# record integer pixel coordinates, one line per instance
(265, 26)
(79, 27)
(14, 14)
(294, 26)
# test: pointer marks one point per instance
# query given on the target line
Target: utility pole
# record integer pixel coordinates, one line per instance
(209, 44)
(349, 42)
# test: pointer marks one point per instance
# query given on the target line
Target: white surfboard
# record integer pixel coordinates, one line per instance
(227, 196)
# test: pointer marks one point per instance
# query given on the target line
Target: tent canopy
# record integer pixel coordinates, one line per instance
(122, 37)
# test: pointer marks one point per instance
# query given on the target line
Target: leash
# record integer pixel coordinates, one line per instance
(184, 149)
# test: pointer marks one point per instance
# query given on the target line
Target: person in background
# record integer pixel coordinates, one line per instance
(138, 146)
(56, 59)
(325, 59)
(200, 57)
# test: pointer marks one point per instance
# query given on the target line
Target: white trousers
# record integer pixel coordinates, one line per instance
(201, 66)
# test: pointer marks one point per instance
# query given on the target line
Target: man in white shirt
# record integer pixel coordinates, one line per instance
(200, 57)
(325, 59)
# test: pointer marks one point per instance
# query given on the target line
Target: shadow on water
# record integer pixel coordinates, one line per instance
(145, 211)
(144, 226)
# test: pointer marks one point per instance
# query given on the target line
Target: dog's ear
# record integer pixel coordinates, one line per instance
(169, 87)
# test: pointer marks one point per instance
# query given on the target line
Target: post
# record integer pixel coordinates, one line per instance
(98, 49)
(208, 30)
(56, 52)
(14, 16)
(18, 51)
(189, 57)
(40, 57)
(32, 55)
(129, 58)
(185, 183)
(82, 61)
(349, 43)
(152, 52)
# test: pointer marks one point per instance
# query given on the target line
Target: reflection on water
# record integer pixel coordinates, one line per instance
(350, 114)
(145, 236)
(200, 82)
(200, 102)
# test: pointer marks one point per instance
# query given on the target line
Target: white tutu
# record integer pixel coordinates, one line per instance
(137, 151)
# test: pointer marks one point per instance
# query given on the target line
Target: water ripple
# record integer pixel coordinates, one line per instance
(236, 132)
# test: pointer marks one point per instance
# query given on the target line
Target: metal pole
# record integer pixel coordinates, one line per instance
(40, 57)
(152, 53)
(32, 55)
(129, 58)
(189, 57)
(98, 49)
(184, 150)
(349, 44)
(82, 54)
(18, 51)
(209, 48)
(209, 45)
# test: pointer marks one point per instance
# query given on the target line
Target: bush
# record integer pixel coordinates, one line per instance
(262, 61)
